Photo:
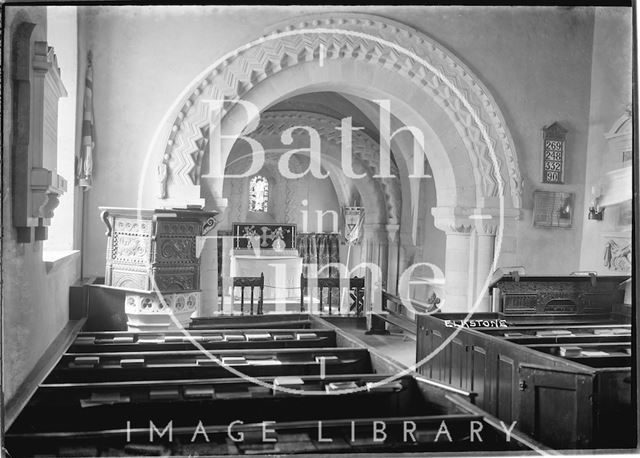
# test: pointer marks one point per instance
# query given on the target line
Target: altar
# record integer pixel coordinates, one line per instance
(281, 269)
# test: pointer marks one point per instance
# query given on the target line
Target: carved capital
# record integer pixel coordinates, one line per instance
(375, 231)
(453, 219)
(392, 232)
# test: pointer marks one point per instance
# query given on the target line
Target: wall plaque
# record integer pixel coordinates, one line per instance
(553, 146)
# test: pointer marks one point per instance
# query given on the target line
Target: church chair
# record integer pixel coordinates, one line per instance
(251, 283)
(356, 293)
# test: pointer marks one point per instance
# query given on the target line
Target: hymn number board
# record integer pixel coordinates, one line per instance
(554, 140)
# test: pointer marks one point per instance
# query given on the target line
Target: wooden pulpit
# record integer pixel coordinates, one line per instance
(152, 254)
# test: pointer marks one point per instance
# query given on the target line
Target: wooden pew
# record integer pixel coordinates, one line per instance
(219, 339)
(108, 405)
(267, 321)
(335, 436)
(549, 333)
(347, 420)
(525, 378)
(119, 366)
(100, 396)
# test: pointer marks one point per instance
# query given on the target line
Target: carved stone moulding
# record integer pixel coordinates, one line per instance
(153, 312)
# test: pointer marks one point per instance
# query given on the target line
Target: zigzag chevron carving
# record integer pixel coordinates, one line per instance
(247, 68)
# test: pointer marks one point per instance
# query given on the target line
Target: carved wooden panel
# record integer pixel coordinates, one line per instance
(175, 250)
(176, 279)
(573, 295)
(147, 246)
(130, 248)
(131, 279)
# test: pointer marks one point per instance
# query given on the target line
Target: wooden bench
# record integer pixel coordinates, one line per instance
(99, 396)
(217, 400)
(268, 321)
(218, 339)
(118, 366)
(525, 379)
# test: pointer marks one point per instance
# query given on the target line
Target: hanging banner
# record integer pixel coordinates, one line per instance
(353, 222)
(84, 171)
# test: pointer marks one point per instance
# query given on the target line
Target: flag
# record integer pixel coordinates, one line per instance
(84, 170)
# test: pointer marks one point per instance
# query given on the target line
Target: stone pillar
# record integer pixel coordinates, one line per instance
(209, 275)
(455, 223)
(227, 293)
(209, 303)
(469, 264)
(393, 258)
(456, 271)
(486, 233)
(375, 257)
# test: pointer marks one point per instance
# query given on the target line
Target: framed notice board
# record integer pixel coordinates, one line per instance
(553, 148)
(552, 209)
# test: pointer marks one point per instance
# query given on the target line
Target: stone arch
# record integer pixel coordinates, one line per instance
(364, 149)
(351, 40)
(373, 58)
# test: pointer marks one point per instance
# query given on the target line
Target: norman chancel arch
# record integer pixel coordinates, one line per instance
(420, 98)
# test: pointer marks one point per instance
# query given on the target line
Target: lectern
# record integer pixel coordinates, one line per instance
(152, 254)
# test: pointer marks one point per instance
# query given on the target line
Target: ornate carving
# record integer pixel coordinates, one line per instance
(554, 296)
(617, 255)
(170, 303)
(185, 281)
(147, 245)
(163, 174)
(176, 250)
(130, 248)
(129, 279)
(363, 147)
(104, 216)
(447, 80)
(209, 225)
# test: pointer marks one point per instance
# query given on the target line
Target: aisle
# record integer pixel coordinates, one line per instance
(399, 347)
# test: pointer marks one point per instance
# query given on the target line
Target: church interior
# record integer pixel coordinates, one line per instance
(244, 230)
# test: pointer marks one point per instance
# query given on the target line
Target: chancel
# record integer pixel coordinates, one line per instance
(330, 230)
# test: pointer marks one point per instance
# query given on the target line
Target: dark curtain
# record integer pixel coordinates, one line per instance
(321, 250)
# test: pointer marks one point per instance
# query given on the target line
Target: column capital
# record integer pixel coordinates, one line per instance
(375, 231)
(392, 232)
(463, 220)
(452, 219)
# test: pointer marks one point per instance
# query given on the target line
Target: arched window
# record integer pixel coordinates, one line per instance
(259, 194)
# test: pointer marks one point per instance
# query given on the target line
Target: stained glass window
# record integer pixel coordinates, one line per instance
(259, 194)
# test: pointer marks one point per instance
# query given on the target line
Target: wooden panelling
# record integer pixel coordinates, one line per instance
(491, 366)
(506, 380)
(556, 406)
